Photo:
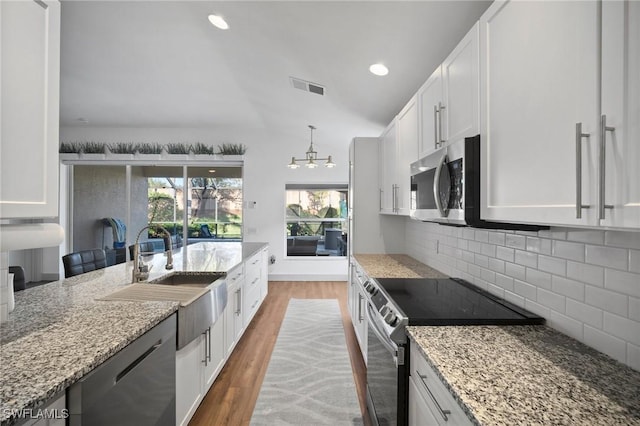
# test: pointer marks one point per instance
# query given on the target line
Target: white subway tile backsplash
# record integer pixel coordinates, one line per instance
(539, 245)
(567, 287)
(634, 309)
(586, 236)
(586, 273)
(584, 313)
(607, 300)
(552, 300)
(496, 265)
(505, 282)
(497, 238)
(623, 328)
(585, 282)
(552, 264)
(633, 356)
(504, 253)
(516, 241)
(515, 299)
(622, 239)
(609, 257)
(567, 325)
(538, 278)
(525, 290)
(515, 271)
(634, 261)
(568, 250)
(482, 236)
(612, 346)
(624, 282)
(526, 259)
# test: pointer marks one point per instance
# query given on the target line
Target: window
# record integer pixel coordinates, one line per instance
(316, 220)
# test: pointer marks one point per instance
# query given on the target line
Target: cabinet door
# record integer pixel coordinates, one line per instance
(407, 154)
(233, 318)
(387, 167)
(29, 118)
(539, 78)
(419, 412)
(430, 98)
(621, 110)
(189, 362)
(461, 77)
(216, 354)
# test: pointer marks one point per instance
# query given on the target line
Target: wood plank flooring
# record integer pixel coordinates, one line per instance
(231, 399)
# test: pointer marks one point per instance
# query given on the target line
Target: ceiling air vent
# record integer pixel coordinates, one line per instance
(307, 86)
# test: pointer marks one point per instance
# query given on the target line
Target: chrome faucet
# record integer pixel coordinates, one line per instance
(140, 269)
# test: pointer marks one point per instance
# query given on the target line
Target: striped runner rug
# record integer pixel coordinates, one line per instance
(309, 380)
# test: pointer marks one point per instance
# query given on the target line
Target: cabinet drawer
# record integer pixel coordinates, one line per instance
(235, 275)
(252, 271)
(437, 397)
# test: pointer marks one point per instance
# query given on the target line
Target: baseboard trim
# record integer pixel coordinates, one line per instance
(307, 277)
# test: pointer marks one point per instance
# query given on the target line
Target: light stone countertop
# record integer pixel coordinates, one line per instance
(534, 375)
(395, 266)
(58, 332)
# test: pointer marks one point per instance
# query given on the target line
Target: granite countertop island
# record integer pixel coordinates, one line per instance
(58, 332)
(508, 375)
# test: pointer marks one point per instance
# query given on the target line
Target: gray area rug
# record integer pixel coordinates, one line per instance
(309, 380)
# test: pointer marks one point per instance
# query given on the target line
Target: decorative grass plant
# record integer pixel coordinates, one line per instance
(232, 149)
(202, 149)
(93, 147)
(149, 148)
(70, 148)
(122, 148)
(178, 148)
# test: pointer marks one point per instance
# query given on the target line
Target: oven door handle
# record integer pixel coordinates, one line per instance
(386, 342)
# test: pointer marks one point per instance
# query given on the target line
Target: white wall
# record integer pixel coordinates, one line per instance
(265, 176)
(586, 283)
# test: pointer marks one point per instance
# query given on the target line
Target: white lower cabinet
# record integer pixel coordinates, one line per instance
(358, 306)
(199, 363)
(430, 403)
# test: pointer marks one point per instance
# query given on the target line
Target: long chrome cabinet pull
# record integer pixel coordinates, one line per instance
(360, 318)
(435, 126)
(443, 413)
(237, 312)
(603, 150)
(440, 108)
(380, 209)
(579, 137)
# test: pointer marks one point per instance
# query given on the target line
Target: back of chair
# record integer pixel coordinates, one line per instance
(143, 247)
(83, 261)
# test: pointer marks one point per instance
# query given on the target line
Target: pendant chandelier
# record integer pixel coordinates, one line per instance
(311, 157)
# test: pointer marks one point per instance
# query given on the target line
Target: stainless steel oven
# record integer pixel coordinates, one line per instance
(392, 304)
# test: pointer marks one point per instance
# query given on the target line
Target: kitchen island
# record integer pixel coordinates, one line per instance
(59, 332)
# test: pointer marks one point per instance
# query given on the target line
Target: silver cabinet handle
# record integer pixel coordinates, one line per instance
(579, 137)
(380, 199)
(435, 126)
(443, 413)
(603, 150)
(395, 198)
(238, 302)
(209, 345)
(360, 307)
(440, 108)
(207, 357)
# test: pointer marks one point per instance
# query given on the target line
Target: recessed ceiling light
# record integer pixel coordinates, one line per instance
(379, 69)
(212, 171)
(219, 22)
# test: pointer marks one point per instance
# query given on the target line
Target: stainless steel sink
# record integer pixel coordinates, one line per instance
(202, 297)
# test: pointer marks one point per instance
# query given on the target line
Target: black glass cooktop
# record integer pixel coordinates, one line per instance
(452, 301)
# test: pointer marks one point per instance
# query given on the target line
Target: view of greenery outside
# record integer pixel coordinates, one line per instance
(215, 207)
(311, 212)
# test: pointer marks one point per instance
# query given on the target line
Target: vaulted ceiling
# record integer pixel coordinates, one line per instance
(162, 64)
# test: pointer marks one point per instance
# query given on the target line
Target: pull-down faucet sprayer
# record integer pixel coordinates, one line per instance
(140, 269)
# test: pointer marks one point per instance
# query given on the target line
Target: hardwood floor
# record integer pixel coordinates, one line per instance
(231, 399)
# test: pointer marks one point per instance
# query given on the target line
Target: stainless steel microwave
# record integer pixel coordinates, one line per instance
(445, 187)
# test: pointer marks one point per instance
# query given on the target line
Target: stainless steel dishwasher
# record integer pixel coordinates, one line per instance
(136, 386)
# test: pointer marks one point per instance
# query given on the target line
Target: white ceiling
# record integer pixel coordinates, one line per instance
(162, 64)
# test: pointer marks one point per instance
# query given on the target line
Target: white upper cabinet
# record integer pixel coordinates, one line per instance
(539, 84)
(621, 113)
(407, 154)
(449, 101)
(29, 118)
(387, 167)
(430, 98)
(560, 105)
